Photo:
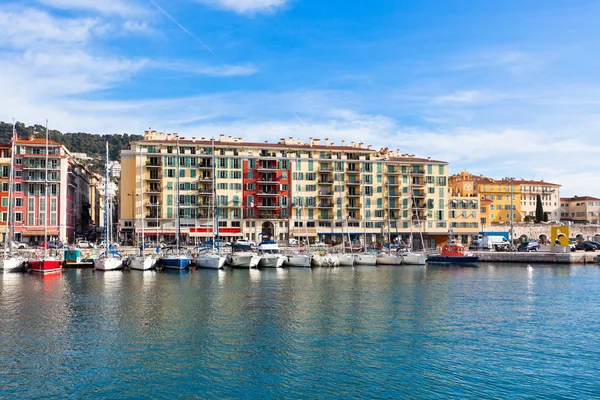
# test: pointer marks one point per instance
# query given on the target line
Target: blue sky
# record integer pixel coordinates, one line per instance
(501, 88)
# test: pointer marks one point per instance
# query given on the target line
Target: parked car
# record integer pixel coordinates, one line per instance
(597, 244)
(55, 244)
(585, 246)
(529, 246)
(218, 242)
(245, 242)
(15, 245)
(84, 244)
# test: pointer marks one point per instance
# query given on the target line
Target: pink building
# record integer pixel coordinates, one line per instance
(65, 208)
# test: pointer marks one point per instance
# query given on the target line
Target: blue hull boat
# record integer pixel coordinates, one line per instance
(452, 259)
(175, 263)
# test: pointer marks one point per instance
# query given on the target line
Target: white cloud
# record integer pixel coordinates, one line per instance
(208, 70)
(112, 7)
(459, 97)
(246, 6)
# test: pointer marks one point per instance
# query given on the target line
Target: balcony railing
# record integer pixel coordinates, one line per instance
(269, 193)
(326, 194)
(325, 205)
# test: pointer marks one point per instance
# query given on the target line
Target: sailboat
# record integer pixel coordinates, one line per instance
(10, 262)
(47, 263)
(173, 259)
(391, 257)
(108, 260)
(411, 257)
(297, 258)
(212, 258)
(364, 258)
(344, 259)
(142, 262)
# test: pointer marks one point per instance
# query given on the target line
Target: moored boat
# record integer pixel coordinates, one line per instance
(391, 258)
(270, 257)
(298, 260)
(452, 253)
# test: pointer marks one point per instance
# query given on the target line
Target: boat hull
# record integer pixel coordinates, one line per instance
(243, 260)
(12, 264)
(345, 260)
(211, 261)
(414, 259)
(175, 263)
(326, 261)
(268, 261)
(452, 259)
(389, 260)
(299, 260)
(108, 264)
(142, 263)
(45, 266)
(365, 259)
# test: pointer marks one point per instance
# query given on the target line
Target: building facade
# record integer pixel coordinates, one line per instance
(290, 189)
(59, 201)
(580, 209)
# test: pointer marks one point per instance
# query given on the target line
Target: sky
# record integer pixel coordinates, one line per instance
(501, 88)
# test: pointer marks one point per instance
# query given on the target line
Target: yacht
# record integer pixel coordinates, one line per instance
(270, 257)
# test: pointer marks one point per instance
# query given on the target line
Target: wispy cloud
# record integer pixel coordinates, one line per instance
(459, 97)
(126, 8)
(208, 70)
(183, 28)
(246, 6)
(513, 61)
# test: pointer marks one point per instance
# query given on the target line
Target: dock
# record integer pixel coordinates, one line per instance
(542, 256)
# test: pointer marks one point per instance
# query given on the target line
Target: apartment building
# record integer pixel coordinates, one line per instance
(318, 190)
(63, 207)
(549, 196)
(580, 209)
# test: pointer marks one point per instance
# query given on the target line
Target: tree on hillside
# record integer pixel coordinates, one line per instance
(80, 142)
(539, 209)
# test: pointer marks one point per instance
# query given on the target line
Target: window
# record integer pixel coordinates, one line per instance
(42, 213)
(250, 201)
(222, 186)
(18, 202)
(236, 174)
(19, 217)
(53, 213)
(223, 174)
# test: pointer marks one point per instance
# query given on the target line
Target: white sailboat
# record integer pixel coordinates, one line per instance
(173, 258)
(364, 258)
(142, 262)
(212, 258)
(410, 256)
(9, 261)
(108, 260)
(391, 257)
(344, 259)
(297, 258)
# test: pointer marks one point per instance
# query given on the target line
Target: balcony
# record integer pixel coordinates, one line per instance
(417, 172)
(325, 194)
(325, 205)
(204, 204)
(205, 178)
(326, 168)
(394, 193)
(267, 193)
(205, 189)
(267, 167)
(393, 183)
(418, 182)
(204, 165)
(40, 179)
(352, 182)
(30, 165)
(152, 177)
(353, 171)
(353, 194)
(393, 171)
(153, 164)
(325, 181)
(267, 206)
(352, 206)
(268, 181)
(155, 189)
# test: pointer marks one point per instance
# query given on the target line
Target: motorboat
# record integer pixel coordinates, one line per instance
(270, 257)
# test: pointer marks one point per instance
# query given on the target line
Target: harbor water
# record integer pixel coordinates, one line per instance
(492, 331)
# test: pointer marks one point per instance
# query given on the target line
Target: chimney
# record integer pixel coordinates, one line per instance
(343, 143)
(370, 147)
(326, 141)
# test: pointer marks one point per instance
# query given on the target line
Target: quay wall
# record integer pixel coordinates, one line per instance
(537, 257)
(536, 231)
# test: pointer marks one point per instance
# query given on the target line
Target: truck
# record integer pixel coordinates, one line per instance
(498, 242)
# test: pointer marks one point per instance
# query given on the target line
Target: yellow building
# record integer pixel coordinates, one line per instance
(497, 197)
(315, 190)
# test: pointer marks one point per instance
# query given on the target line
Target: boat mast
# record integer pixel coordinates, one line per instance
(142, 198)
(215, 217)
(9, 221)
(389, 234)
(106, 221)
(177, 227)
(46, 198)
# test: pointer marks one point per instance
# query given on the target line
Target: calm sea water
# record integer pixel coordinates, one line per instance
(497, 331)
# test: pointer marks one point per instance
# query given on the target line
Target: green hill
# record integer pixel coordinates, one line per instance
(78, 142)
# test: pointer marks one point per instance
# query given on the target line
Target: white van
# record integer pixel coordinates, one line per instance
(492, 242)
